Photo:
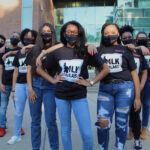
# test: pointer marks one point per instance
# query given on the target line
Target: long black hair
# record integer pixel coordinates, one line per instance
(80, 49)
(39, 45)
(102, 33)
(26, 31)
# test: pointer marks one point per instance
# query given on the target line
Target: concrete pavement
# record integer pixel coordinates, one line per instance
(25, 144)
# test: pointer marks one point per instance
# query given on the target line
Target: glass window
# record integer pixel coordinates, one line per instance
(27, 14)
(142, 3)
(27, 3)
(146, 12)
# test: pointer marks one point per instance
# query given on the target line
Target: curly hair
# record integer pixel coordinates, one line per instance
(126, 28)
(2, 37)
(80, 49)
(25, 32)
(102, 33)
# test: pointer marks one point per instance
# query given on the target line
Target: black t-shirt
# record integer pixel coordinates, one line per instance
(8, 67)
(120, 61)
(147, 57)
(31, 60)
(19, 62)
(140, 61)
(71, 66)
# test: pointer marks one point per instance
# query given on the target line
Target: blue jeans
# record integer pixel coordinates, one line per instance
(114, 97)
(21, 95)
(45, 92)
(4, 104)
(82, 115)
(146, 103)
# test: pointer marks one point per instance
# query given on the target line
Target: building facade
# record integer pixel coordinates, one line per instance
(92, 14)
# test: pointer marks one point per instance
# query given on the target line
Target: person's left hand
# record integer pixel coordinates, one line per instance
(82, 81)
(137, 104)
(4, 57)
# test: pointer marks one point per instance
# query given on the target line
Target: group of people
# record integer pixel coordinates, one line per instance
(42, 70)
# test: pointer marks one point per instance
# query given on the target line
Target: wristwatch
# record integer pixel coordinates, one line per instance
(92, 83)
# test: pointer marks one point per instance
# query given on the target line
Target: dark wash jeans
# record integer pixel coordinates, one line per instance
(45, 92)
(112, 98)
(146, 103)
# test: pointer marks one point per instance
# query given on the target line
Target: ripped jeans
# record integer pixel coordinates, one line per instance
(112, 98)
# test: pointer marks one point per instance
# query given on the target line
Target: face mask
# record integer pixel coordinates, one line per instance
(1, 45)
(14, 41)
(47, 37)
(71, 39)
(128, 41)
(110, 39)
(141, 42)
(27, 41)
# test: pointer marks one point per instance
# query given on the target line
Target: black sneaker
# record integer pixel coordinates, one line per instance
(137, 145)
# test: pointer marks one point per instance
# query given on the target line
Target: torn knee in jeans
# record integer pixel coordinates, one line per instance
(123, 110)
(103, 122)
(103, 98)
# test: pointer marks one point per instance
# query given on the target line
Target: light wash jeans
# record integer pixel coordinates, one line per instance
(4, 104)
(82, 115)
(21, 95)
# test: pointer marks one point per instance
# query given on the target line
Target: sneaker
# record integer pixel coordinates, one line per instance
(137, 145)
(14, 139)
(22, 132)
(2, 131)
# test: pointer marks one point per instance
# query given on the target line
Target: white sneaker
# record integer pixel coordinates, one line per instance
(14, 139)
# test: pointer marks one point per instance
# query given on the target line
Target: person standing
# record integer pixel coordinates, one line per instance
(6, 73)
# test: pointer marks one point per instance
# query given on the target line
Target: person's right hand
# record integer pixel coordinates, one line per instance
(145, 50)
(2, 86)
(60, 78)
(32, 96)
(23, 50)
(12, 95)
(4, 57)
(131, 47)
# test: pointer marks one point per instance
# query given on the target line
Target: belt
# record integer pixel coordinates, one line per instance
(117, 81)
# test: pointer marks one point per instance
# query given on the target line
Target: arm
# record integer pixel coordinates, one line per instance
(137, 101)
(46, 76)
(8, 54)
(15, 75)
(26, 48)
(49, 50)
(143, 79)
(32, 94)
(1, 84)
(100, 76)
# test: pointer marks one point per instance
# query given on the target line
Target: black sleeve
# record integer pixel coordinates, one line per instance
(29, 58)
(130, 59)
(144, 62)
(1, 61)
(16, 62)
(50, 61)
(95, 61)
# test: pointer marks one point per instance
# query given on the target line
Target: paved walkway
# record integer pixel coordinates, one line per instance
(25, 144)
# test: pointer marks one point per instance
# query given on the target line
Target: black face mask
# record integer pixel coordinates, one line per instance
(110, 39)
(1, 45)
(142, 42)
(128, 41)
(14, 41)
(47, 37)
(27, 41)
(71, 39)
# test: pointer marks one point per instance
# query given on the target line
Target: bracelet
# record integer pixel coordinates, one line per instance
(44, 52)
(12, 91)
